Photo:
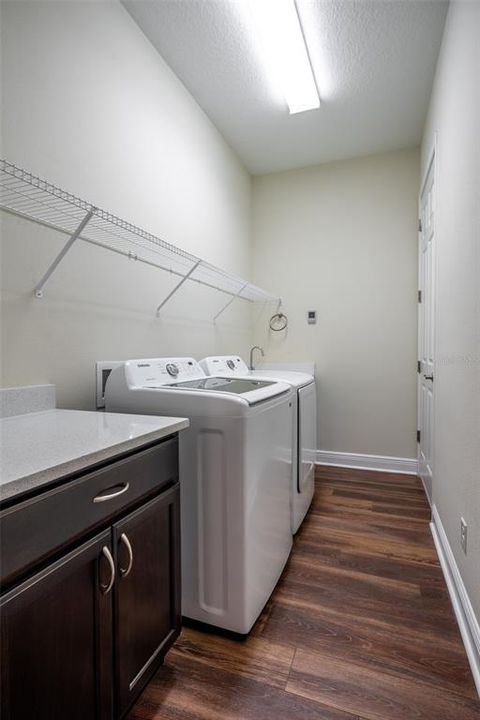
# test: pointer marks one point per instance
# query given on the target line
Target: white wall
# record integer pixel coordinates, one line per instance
(454, 117)
(341, 239)
(89, 104)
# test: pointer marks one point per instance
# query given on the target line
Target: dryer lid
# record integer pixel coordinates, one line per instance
(234, 366)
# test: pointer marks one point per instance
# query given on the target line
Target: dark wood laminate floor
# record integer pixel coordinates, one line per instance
(360, 626)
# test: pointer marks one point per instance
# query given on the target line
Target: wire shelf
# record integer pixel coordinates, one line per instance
(30, 197)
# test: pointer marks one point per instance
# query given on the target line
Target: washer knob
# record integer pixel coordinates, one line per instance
(172, 369)
(231, 364)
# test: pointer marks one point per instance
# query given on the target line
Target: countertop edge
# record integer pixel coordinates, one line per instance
(43, 478)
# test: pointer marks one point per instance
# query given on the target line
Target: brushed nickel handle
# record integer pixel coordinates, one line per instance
(108, 555)
(109, 496)
(126, 571)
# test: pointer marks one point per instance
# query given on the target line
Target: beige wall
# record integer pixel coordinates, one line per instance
(341, 239)
(454, 118)
(88, 104)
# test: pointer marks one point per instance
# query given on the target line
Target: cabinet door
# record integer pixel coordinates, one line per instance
(147, 593)
(57, 639)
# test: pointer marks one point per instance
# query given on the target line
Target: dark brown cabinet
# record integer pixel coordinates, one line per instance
(57, 640)
(85, 631)
(147, 604)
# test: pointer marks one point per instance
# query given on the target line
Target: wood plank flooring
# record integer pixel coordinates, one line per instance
(360, 626)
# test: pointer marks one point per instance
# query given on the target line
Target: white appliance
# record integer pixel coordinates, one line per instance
(235, 465)
(304, 425)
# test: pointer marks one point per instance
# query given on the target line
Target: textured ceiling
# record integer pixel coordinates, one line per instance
(374, 63)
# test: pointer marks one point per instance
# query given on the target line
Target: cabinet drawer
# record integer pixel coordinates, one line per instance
(38, 527)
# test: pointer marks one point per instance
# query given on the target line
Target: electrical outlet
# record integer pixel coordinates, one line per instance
(463, 535)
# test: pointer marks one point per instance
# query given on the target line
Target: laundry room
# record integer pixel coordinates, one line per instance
(240, 359)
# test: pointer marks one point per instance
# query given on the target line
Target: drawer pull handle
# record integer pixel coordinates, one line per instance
(108, 555)
(110, 496)
(126, 571)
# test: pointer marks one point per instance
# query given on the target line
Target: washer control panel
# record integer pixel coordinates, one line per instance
(224, 365)
(153, 372)
(172, 369)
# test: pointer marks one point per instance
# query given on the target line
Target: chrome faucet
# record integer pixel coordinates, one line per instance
(255, 347)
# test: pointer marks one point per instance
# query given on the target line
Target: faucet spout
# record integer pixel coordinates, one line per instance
(255, 347)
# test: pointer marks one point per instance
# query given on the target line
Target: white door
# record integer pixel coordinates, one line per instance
(426, 320)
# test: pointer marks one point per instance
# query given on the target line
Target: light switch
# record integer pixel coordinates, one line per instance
(312, 317)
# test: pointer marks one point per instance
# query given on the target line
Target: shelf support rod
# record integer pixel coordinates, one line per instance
(230, 302)
(39, 287)
(177, 286)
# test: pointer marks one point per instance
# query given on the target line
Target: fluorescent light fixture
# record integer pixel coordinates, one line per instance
(286, 52)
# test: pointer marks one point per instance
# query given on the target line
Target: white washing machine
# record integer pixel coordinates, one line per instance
(235, 466)
(304, 425)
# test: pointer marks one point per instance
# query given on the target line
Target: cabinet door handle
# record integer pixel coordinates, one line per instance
(105, 588)
(111, 495)
(126, 571)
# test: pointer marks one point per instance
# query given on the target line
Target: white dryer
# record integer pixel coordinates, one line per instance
(235, 470)
(304, 443)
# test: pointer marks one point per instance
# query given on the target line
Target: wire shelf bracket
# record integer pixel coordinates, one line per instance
(38, 292)
(178, 286)
(32, 198)
(232, 299)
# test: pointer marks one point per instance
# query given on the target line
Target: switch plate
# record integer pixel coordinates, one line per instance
(463, 535)
(311, 317)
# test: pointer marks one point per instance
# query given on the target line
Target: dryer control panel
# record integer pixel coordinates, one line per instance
(154, 372)
(225, 365)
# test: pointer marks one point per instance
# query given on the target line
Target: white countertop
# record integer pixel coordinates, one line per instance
(41, 447)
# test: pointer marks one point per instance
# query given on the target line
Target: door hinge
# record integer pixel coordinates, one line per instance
(419, 296)
(419, 366)
(418, 436)
(420, 226)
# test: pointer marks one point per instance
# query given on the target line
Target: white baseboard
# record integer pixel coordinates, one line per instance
(429, 499)
(368, 462)
(467, 622)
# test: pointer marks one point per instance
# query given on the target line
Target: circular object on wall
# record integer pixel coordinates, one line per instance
(278, 322)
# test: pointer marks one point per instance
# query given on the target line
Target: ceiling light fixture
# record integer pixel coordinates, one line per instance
(287, 53)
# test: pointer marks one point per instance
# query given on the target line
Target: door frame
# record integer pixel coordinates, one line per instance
(431, 166)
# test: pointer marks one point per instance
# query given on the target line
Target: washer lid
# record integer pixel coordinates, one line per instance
(229, 385)
(185, 374)
(246, 390)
